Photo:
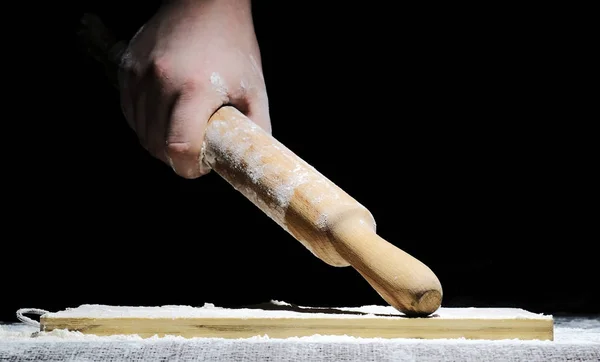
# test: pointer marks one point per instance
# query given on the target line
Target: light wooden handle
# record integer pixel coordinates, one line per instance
(326, 220)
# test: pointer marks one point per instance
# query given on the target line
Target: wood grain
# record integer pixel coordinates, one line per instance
(364, 326)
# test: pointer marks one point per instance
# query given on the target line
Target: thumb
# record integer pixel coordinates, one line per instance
(185, 133)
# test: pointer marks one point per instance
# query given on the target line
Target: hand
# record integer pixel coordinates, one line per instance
(189, 59)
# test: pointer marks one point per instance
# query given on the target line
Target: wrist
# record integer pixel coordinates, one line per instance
(234, 3)
(241, 9)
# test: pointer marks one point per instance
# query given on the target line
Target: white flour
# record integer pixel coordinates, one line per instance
(218, 83)
(209, 310)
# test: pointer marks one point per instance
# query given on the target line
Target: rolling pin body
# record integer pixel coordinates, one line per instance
(327, 221)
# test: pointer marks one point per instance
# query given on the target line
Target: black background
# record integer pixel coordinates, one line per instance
(453, 126)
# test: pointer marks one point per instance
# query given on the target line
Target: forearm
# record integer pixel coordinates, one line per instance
(220, 16)
(232, 11)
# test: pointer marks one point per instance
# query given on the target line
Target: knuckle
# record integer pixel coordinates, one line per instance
(160, 68)
(130, 65)
(192, 85)
(189, 87)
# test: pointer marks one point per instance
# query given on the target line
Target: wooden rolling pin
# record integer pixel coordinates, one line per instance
(325, 219)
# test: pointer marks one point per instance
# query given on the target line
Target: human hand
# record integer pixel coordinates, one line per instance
(188, 60)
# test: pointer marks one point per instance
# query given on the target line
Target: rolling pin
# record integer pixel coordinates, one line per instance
(326, 220)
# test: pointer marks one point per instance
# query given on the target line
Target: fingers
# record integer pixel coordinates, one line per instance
(147, 102)
(169, 121)
(140, 96)
(258, 110)
(185, 132)
(160, 98)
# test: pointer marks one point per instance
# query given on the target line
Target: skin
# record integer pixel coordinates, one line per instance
(188, 60)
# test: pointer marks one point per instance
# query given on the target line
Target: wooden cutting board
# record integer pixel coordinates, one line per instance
(282, 320)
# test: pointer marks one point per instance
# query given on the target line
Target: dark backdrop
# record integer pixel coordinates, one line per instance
(452, 126)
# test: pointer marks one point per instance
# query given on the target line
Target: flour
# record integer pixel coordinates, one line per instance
(218, 83)
(30, 334)
(280, 303)
(238, 146)
(285, 191)
(569, 345)
(579, 330)
(58, 335)
(209, 310)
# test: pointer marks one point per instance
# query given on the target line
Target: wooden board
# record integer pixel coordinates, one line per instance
(283, 320)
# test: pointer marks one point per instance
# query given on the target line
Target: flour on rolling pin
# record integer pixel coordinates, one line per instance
(236, 144)
(272, 176)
